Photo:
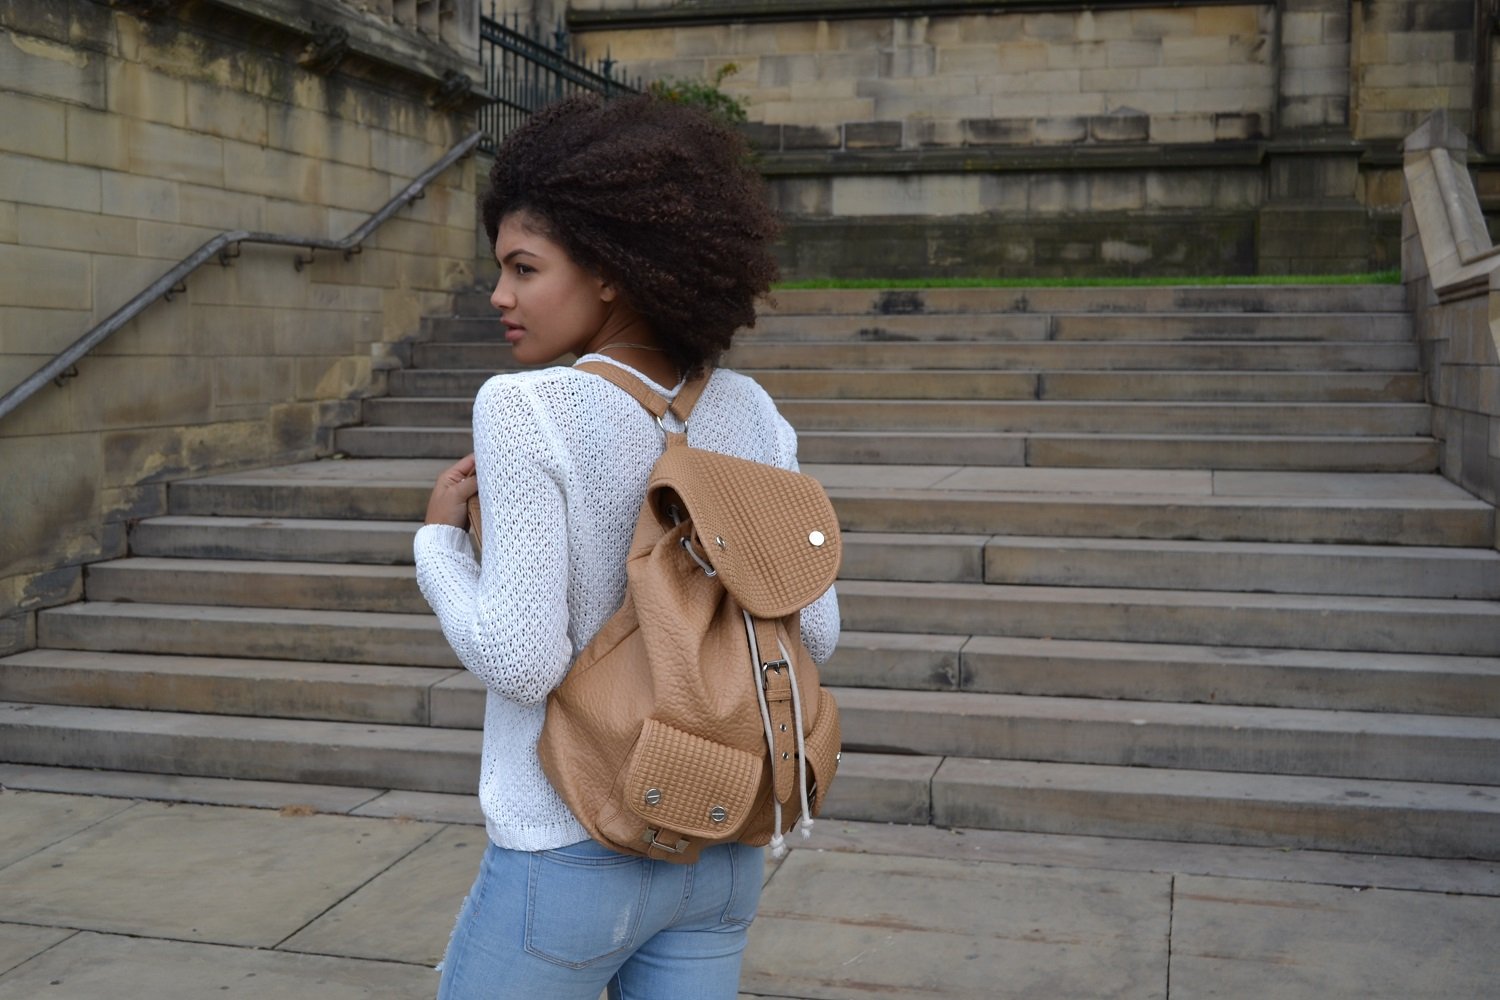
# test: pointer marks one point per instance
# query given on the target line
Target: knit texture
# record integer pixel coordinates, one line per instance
(563, 458)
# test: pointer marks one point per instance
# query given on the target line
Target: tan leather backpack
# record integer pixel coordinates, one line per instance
(695, 716)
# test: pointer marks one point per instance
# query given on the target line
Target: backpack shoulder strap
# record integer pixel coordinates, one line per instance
(655, 403)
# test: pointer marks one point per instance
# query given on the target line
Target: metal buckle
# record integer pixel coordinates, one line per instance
(765, 669)
(649, 838)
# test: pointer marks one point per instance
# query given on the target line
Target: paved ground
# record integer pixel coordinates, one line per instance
(107, 896)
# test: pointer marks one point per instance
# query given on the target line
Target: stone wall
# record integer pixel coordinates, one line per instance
(1069, 137)
(128, 142)
(1452, 275)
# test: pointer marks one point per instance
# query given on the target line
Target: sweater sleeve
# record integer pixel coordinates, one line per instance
(820, 619)
(508, 619)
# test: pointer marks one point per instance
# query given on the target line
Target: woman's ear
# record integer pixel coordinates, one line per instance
(607, 292)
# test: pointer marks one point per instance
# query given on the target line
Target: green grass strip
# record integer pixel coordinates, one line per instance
(1391, 277)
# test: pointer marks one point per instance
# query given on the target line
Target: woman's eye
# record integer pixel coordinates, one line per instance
(524, 268)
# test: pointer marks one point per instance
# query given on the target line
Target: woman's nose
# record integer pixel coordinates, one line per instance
(502, 298)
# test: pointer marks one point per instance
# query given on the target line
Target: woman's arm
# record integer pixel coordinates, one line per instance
(506, 620)
(820, 619)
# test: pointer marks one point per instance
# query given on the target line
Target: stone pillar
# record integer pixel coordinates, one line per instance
(1312, 221)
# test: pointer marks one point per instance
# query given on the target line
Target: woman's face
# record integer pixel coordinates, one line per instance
(550, 306)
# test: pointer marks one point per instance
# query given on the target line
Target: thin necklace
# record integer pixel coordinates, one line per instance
(641, 347)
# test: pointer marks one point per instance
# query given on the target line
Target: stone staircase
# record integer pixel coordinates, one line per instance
(1166, 563)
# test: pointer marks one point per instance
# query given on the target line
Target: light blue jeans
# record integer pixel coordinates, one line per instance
(565, 924)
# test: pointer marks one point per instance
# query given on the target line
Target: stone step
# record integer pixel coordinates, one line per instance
(331, 540)
(1281, 621)
(1138, 671)
(1033, 326)
(853, 383)
(1352, 508)
(1220, 675)
(1213, 618)
(1072, 356)
(1163, 298)
(1090, 451)
(1330, 419)
(1295, 812)
(1395, 747)
(360, 754)
(1368, 570)
(218, 685)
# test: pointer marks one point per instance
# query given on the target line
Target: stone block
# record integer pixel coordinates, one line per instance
(312, 133)
(1236, 127)
(1179, 189)
(1133, 53)
(977, 60)
(802, 196)
(810, 136)
(1061, 131)
(44, 68)
(34, 128)
(42, 278)
(1153, 23)
(9, 222)
(821, 112)
(1116, 192)
(872, 135)
(51, 512)
(1058, 193)
(17, 632)
(1242, 21)
(137, 197)
(400, 155)
(1123, 127)
(785, 70)
(1116, 81)
(905, 195)
(98, 138)
(30, 181)
(927, 133)
(229, 114)
(1082, 56)
(1074, 105)
(762, 136)
(61, 229)
(159, 454)
(998, 131)
(118, 278)
(332, 378)
(1004, 193)
(140, 91)
(175, 154)
(44, 589)
(969, 29)
(1196, 50)
(1182, 128)
(272, 172)
(907, 61)
(219, 209)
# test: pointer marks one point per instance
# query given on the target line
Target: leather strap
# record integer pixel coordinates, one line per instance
(655, 403)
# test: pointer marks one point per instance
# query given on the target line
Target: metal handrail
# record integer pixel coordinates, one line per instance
(225, 246)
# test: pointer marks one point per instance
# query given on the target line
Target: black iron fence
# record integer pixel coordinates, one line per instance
(526, 72)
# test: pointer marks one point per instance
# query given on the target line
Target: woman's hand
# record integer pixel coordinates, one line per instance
(450, 496)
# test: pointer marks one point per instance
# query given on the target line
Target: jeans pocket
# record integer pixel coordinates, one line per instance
(584, 904)
(747, 868)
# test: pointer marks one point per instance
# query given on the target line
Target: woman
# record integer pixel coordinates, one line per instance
(633, 232)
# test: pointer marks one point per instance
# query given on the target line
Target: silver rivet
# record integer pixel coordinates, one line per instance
(653, 796)
(785, 756)
(816, 538)
(839, 756)
(783, 727)
(719, 541)
(718, 814)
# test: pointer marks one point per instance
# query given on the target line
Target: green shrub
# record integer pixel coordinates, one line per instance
(702, 94)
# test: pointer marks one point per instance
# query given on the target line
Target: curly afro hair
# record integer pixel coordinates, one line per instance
(656, 198)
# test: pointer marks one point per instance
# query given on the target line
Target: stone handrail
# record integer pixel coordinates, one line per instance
(1445, 209)
(225, 247)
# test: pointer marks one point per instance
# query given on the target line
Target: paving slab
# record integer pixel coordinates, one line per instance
(109, 967)
(436, 807)
(183, 788)
(33, 822)
(1234, 938)
(22, 942)
(203, 873)
(848, 927)
(426, 889)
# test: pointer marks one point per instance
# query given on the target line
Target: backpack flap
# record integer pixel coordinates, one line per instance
(770, 534)
(691, 786)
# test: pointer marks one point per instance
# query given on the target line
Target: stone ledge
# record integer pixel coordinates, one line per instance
(698, 12)
(969, 159)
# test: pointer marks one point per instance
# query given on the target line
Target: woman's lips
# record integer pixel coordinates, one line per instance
(513, 333)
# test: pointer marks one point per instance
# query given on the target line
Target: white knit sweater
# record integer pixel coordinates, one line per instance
(563, 457)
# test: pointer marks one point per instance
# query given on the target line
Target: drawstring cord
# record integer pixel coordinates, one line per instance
(778, 842)
(807, 821)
